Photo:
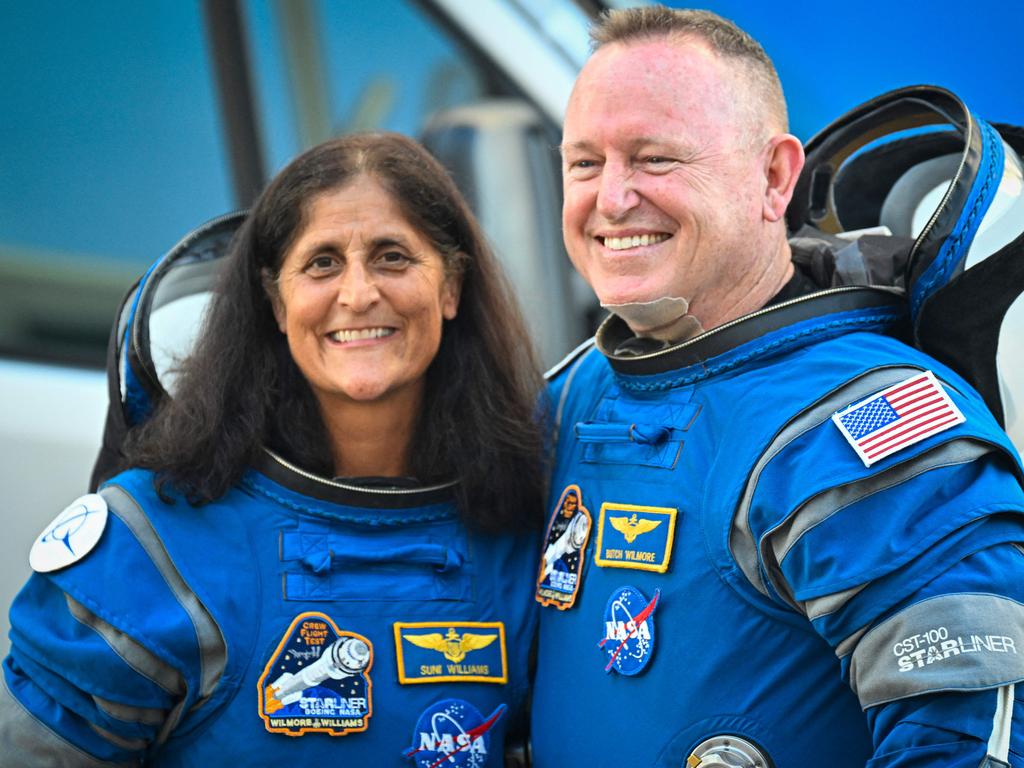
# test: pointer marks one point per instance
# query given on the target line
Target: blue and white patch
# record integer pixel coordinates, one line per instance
(631, 536)
(454, 734)
(71, 535)
(565, 546)
(629, 631)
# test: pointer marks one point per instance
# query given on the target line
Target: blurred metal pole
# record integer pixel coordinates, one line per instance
(230, 56)
(309, 75)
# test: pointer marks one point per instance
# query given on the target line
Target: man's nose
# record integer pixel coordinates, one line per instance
(357, 287)
(616, 195)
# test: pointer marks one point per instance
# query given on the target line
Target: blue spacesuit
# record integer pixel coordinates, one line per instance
(780, 541)
(295, 618)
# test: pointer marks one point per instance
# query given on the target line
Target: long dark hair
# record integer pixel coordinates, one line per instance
(240, 390)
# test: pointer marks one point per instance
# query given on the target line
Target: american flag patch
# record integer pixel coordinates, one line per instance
(897, 417)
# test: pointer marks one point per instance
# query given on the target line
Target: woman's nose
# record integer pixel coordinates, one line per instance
(357, 287)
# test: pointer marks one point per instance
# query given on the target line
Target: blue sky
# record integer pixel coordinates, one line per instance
(833, 56)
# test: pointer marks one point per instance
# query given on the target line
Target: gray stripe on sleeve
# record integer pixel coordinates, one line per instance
(134, 745)
(129, 714)
(1002, 725)
(134, 654)
(741, 538)
(212, 646)
(823, 606)
(26, 741)
(846, 646)
(777, 543)
(966, 641)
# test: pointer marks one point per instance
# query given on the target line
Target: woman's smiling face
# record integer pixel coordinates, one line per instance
(362, 296)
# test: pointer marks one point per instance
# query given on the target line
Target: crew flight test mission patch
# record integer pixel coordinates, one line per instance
(317, 680)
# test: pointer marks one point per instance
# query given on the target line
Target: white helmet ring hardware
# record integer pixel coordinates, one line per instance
(919, 166)
(727, 752)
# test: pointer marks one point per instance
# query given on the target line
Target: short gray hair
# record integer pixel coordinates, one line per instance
(630, 25)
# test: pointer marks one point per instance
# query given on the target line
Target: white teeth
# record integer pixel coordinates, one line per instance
(621, 243)
(363, 333)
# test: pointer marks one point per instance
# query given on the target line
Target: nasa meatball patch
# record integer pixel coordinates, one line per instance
(454, 734)
(71, 535)
(628, 641)
(565, 546)
(317, 680)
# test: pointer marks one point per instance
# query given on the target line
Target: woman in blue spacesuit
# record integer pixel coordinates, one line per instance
(327, 530)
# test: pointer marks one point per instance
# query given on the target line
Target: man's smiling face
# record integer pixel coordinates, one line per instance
(663, 174)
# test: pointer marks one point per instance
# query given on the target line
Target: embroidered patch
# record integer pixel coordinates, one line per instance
(897, 417)
(453, 652)
(629, 536)
(71, 535)
(453, 733)
(317, 680)
(629, 630)
(565, 546)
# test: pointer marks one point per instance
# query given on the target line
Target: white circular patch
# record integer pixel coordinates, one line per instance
(71, 536)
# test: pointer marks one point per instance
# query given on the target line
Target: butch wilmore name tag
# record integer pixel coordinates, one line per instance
(631, 536)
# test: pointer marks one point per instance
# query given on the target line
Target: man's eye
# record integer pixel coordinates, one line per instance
(657, 159)
(582, 169)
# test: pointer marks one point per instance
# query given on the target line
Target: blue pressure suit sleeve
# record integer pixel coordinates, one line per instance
(104, 659)
(911, 570)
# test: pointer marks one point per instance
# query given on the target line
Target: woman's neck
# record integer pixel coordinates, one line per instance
(372, 439)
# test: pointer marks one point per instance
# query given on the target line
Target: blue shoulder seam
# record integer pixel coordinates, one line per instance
(566, 361)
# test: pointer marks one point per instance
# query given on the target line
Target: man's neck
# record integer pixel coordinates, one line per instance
(748, 295)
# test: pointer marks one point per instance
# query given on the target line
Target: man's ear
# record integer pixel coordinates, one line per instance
(274, 295)
(784, 158)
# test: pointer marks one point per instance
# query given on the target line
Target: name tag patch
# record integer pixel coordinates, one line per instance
(317, 680)
(453, 733)
(630, 536)
(451, 652)
(628, 641)
(565, 545)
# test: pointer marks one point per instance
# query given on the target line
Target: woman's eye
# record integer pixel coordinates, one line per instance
(322, 263)
(393, 259)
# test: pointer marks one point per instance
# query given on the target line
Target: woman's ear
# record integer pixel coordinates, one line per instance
(451, 293)
(274, 295)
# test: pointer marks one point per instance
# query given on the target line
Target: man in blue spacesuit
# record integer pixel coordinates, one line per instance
(806, 539)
